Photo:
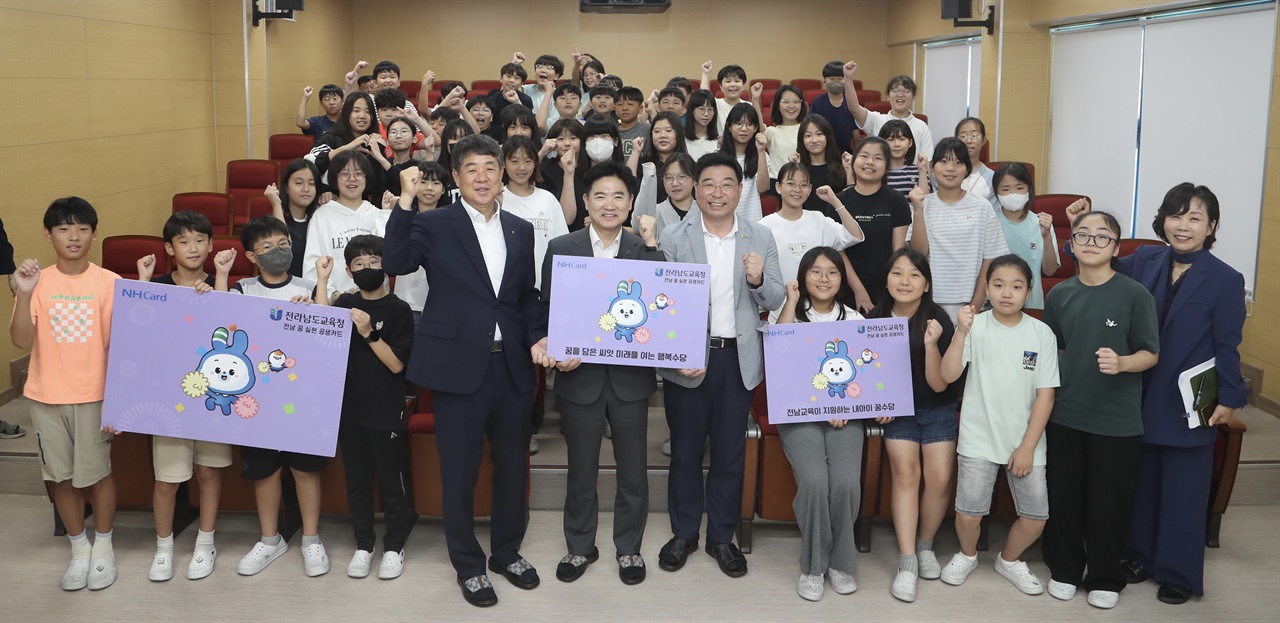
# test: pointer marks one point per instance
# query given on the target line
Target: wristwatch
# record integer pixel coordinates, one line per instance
(372, 337)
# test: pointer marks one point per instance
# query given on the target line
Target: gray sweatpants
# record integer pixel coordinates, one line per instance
(827, 462)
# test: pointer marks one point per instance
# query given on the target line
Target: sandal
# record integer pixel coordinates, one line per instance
(10, 431)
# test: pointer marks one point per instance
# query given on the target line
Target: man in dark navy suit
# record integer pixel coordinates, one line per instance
(482, 331)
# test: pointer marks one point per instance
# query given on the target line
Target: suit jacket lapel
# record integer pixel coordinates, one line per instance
(694, 237)
(629, 245)
(513, 267)
(1191, 281)
(742, 238)
(466, 233)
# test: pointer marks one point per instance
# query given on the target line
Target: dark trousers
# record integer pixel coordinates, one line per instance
(499, 412)
(718, 408)
(1170, 510)
(366, 453)
(583, 431)
(1091, 479)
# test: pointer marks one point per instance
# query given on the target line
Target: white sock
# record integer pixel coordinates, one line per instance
(204, 540)
(272, 540)
(102, 545)
(971, 558)
(80, 546)
(165, 543)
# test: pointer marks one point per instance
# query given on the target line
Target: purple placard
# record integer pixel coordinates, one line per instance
(629, 312)
(224, 367)
(849, 370)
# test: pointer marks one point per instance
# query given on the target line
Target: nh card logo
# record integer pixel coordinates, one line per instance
(658, 271)
(276, 314)
(1029, 360)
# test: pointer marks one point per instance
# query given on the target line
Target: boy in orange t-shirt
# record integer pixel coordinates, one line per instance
(65, 320)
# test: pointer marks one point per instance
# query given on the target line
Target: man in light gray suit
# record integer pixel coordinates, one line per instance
(714, 402)
(591, 394)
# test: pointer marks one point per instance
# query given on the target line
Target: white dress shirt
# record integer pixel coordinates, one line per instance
(720, 255)
(493, 246)
(598, 249)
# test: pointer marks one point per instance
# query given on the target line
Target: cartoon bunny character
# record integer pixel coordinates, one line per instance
(227, 368)
(628, 310)
(838, 368)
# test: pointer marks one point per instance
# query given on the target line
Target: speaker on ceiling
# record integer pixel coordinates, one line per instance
(623, 6)
(957, 9)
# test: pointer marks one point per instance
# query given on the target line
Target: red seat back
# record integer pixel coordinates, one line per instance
(768, 204)
(485, 85)
(285, 148)
(247, 179)
(120, 254)
(410, 88)
(214, 206)
(1055, 205)
(240, 269)
(806, 84)
(769, 83)
(812, 94)
(880, 106)
(866, 97)
(259, 206)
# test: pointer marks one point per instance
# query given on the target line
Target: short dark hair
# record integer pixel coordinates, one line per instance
(597, 125)
(385, 66)
(734, 71)
(566, 87)
(953, 146)
(478, 100)
(70, 211)
(982, 127)
(671, 91)
(475, 145)
(260, 228)
(612, 80)
(833, 69)
(790, 169)
(716, 159)
(698, 99)
(1017, 171)
(517, 112)
(364, 162)
(608, 168)
(603, 89)
(363, 80)
(186, 221)
(440, 113)
(1178, 202)
(683, 84)
(631, 94)
(388, 98)
(330, 89)
(299, 164)
(516, 144)
(512, 68)
(434, 171)
(551, 61)
(899, 129)
(448, 88)
(681, 160)
(364, 244)
(1016, 261)
(900, 80)
(457, 127)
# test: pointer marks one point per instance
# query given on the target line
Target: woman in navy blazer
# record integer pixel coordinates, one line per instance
(1200, 302)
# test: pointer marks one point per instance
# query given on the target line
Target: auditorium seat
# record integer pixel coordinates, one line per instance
(812, 94)
(410, 88)
(247, 179)
(1129, 245)
(696, 83)
(485, 85)
(424, 460)
(259, 206)
(433, 98)
(866, 97)
(120, 254)
(214, 206)
(880, 106)
(1055, 205)
(285, 148)
(768, 204)
(766, 98)
(769, 83)
(240, 269)
(807, 84)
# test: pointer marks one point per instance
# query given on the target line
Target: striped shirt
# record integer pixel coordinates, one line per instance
(294, 286)
(902, 179)
(961, 236)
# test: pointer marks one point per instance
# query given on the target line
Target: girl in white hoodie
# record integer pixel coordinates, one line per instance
(347, 216)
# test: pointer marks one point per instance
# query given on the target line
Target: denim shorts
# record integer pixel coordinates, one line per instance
(934, 425)
(976, 479)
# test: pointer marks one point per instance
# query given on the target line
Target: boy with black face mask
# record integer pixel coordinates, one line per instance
(833, 106)
(373, 432)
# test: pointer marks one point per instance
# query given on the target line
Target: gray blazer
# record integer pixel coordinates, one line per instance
(683, 242)
(583, 385)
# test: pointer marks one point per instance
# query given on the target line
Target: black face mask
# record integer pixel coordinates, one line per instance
(369, 279)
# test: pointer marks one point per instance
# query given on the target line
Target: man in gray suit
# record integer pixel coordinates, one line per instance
(714, 402)
(591, 394)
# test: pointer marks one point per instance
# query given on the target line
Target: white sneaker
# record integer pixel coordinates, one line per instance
(315, 561)
(102, 573)
(1019, 575)
(811, 587)
(1061, 590)
(392, 565)
(77, 575)
(533, 445)
(904, 586)
(201, 565)
(929, 567)
(359, 565)
(260, 556)
(842, 583)
(958, 570)
(666, 447)
(1102, 599)
(161, 566)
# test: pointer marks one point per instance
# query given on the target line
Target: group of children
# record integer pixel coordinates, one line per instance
(888, 227)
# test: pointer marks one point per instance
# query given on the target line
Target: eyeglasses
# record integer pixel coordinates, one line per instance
(724, 187)
(789, 102)
(796, 185)
(970, 137)
(675, 179)
(1101, 241)
(399, 133)
(900, 91)
(267, 247)
(744, 124)
(354, 176)
(819, 274)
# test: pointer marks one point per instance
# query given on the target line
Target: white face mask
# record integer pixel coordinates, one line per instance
(600, 149)
(1014, 202)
